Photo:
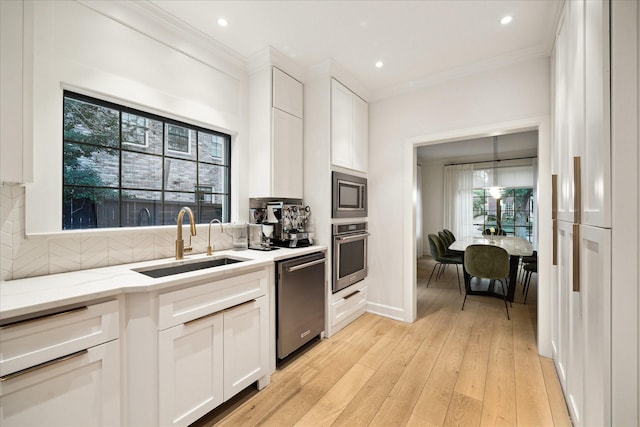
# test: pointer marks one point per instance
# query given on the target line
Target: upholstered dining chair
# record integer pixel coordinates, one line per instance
(497, 232)
(438, 253)
(450, 239)
(488, 262)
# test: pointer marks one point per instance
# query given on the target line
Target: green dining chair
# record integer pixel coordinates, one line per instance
(488, 262)
(438, 253)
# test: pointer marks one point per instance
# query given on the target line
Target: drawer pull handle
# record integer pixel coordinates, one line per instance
(351, 295)
(42, 365)
(206, 316)
(35, 319)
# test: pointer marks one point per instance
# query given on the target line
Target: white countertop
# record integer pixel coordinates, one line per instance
(517, 246)
(30, 295)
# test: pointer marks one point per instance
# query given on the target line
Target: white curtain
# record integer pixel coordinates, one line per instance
(458, 199)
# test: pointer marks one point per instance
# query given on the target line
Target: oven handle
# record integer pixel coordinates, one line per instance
(305, 265)
(353, 237)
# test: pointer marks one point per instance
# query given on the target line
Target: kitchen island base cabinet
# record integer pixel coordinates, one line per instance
(81, 389)
(206, 361)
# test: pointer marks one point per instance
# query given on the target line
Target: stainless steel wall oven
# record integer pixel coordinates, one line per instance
(349, 254)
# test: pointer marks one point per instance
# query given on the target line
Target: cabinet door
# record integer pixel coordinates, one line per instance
(560, 302)
(190, 365)
(82, 389)
(341, 125)
(595, 288)
(246, 345)
(596, 174)
(287, 93)
(11, 96)
(575, 330)
(287, 155)
(360, 147)
(572, 35)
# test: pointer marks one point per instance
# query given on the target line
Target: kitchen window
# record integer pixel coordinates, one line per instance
(125, 168)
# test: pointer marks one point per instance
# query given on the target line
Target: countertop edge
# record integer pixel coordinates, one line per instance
(22, 297)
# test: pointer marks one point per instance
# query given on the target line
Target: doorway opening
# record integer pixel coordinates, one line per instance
(541, 312)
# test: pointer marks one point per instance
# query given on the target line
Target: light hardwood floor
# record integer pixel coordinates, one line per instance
(450, 367)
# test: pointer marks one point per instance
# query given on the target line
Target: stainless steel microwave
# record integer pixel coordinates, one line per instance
(349, 196)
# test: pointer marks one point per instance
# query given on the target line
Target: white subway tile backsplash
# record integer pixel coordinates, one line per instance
(38, 255)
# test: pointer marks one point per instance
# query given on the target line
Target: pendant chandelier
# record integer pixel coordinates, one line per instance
(495, 190)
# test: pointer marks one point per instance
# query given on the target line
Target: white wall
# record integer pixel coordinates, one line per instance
(120, 52)
(512, 93)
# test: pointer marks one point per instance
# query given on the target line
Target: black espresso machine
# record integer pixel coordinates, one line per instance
(282, 221)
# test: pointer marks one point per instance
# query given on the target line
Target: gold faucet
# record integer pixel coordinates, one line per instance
(209, 247)
(180, 247)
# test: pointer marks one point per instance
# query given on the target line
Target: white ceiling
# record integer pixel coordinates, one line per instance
(416, 40)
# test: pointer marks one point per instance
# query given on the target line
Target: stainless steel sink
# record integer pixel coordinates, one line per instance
(185, 267)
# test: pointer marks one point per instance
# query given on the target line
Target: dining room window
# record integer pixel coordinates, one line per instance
(124, 167)
(513, 212)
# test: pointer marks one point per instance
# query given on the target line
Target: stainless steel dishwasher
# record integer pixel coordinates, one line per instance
(300, 302)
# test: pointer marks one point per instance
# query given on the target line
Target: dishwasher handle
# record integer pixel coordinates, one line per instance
(305, 265)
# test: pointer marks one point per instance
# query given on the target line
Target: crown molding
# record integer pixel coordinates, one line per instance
(539, 51)
(148, 19)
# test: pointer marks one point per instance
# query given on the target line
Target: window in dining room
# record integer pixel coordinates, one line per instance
(513, 212)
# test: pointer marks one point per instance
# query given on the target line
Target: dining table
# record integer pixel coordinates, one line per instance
(516, 247)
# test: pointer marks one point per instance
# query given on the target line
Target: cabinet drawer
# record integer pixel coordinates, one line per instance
(80, 390)
(191, 303)
(41, 339)
(351, 306)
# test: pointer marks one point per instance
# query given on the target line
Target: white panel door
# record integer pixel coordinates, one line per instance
(80, 390)
(246, 345)
(595, 289)
(596, 168)
(341, 125)
(287, 155)
(574, 349)
(190, 362)
(560, 302)
(287, 93)
(360, 147)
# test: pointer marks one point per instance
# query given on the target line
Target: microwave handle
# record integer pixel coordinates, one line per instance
(354, 237)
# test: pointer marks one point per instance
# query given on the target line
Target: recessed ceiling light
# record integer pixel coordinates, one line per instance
(379, 64)
(222, 22)
(506, 20)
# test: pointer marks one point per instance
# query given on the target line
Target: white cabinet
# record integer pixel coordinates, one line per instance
(582, 114)
(287, 155)
(596, 163)
(246, 345)
(581, 304)
(595, 292)
(190, 370)
(206, 361)
(16, 65)
(62, 369)
(349, 128)
(287, 93)
(276, 135)
(213, 341)
(347, 306)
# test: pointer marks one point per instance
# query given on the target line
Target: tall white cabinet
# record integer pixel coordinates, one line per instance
(582, 316)
(349, 128)
(16, 72)
(336, 138)
(276, 145)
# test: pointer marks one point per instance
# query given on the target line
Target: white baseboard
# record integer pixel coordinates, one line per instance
(394, 313)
